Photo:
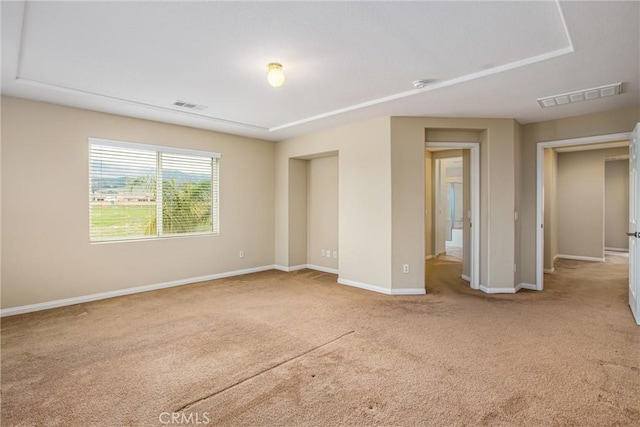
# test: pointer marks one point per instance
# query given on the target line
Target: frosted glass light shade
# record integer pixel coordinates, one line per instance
(275, 75)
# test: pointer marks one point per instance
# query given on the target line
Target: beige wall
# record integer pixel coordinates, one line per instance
(364, 198)
(46, 253)
(451, 135)
(580, 190)
(609, 122)
(550, 208)
(497, 188)
(517, 156)
(381, 200)
(322, 212)
(1, 185)
(616, 204)
(429, 208)
(298, 215)
(407, 204)
(466, 208)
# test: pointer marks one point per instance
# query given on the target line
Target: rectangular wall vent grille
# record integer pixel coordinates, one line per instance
(580, 95)
(189, 105)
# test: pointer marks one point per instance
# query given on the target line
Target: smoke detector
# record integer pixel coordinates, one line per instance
(419, 84)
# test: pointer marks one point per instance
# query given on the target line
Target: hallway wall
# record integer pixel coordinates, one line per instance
(322, 212)
(608, 122)
(497, 193)
(616, 204)
(364, 200)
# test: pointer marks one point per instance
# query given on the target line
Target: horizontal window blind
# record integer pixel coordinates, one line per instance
(186, 194)
(138, 191)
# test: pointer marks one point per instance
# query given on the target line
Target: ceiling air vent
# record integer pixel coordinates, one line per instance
(580, 95)
(189, 105)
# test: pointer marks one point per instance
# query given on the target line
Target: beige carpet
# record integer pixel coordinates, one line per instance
(278, 349)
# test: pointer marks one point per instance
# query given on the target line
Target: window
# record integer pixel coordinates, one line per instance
(139, 191)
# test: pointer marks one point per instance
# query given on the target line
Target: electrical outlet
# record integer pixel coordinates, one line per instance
(335, 254)
(241, 254)
(405, 268)
(322, 252)
(328, 253)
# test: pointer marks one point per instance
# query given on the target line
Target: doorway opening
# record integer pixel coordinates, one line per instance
(449, 195)
(452, 201)
(570, 193)
(616, 205)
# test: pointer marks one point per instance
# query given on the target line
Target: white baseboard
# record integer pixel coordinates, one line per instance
(321, 268)
(408, 291)
(552, 269)
(366, 286)
(626, 250)
(380, 289)
(466, 278)
(529, 286)
(289, 269)
(487, 290)
(303, 266)
(513, 290)
(580, 258)
(12, 311)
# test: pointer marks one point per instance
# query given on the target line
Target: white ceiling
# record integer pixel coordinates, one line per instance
(344, 61)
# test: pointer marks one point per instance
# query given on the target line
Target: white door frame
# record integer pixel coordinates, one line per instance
(474, 148)
(439, 245)
(632, 230)
(540, 146)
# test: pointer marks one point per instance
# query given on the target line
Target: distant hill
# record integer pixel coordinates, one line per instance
(110, 176)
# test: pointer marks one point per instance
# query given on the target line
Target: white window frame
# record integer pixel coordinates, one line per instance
(159, 150)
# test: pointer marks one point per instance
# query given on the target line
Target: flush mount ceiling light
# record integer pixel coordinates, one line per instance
(275, 75)
(581, 95)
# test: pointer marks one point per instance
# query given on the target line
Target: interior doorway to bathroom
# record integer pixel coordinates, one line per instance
(448, 210)
(452, 207)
